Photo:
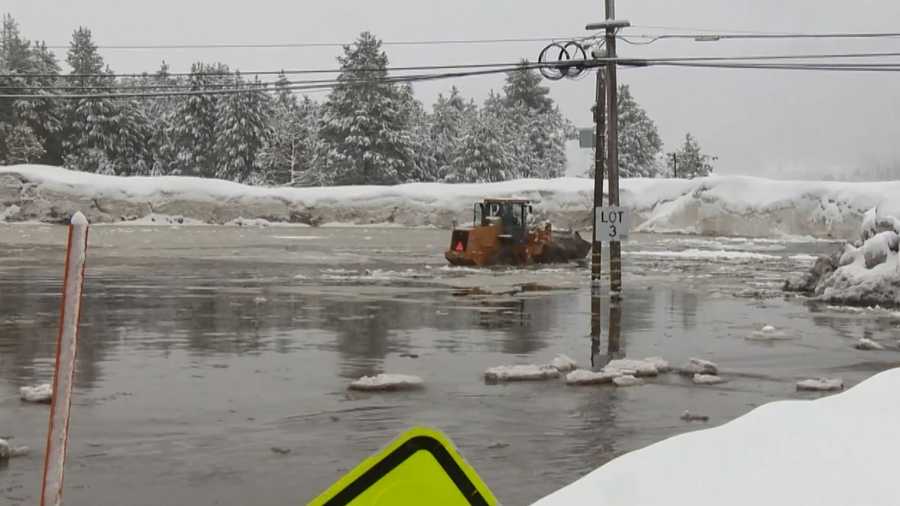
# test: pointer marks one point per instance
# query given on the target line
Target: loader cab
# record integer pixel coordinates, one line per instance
(511, 214)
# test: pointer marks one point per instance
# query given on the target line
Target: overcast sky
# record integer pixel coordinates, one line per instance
(775, 123)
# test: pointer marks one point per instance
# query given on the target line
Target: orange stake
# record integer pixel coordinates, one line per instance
(64, 372)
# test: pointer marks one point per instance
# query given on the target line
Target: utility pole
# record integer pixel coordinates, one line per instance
(675, 165)
(612, 143)
(599, 153)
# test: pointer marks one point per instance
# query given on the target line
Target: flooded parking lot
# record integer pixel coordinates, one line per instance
(203, 348)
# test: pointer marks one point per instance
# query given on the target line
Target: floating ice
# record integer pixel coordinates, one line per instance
(633, 367)
(821, 384)
(700, 366)
(564, 363)
(865, 343)
(659, 363)
(627, 380)
(585, 377)
(706, 379)
(768, 333)
(529, 372)
(39, 393)
(385, 382)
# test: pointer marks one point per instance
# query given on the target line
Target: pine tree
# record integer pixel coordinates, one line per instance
(538, 127)
(287, 151)
(448, 119)
(30, 121)
(483, 153)
(639, 141)
(424, 162)
(365, 125)
(240, 132)
(691, 161)
(523, 88)
(191, 125)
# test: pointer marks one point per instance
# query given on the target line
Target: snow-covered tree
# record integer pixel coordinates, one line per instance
(538, 128)
(30, 121)
(365, 124)
(484, 152)
(192, 124)
(449, 116)
(104, 135)
(240, 132)
(639, 141)
(424, 160)
(691, 162)
(289, 151)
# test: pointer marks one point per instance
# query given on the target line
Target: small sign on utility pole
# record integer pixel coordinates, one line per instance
(586, 138)
(613, 224)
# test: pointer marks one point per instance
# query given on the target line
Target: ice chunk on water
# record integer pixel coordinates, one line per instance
(40, 393)
(528, 372)
(634, 367)
(564, 363)
(821, 384)
(384, 382)
(768, 333)
(660, 364)
(585, 377)
(700, 366)
(707, 379)
(768, 329)
(867, 344)
(627, 380)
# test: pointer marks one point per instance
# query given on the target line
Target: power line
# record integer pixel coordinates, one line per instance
(254, 89)
(271, 72)
(784, 66)
(713, 37)
(278, 45)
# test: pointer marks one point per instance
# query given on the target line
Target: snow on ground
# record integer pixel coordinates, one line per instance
(832, 451)
(718, 206)
(39, 393)
(387, 382)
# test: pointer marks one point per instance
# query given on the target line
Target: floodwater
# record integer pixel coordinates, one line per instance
(202, 348)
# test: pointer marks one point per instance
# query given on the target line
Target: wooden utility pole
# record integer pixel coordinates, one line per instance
(612, 143)
(599, 153)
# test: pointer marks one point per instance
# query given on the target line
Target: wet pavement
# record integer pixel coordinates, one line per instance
(202, 348)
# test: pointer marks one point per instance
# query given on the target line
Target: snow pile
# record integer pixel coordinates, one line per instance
(865, 343)
(40, 393)
(700, 366)
(833, 451)
(527, 372)
(821, 384)
(563, 363)
(719, 205)
(706, 379)
(387, 382)
(865, 273)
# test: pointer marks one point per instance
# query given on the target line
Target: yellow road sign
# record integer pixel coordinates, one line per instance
(420, 467)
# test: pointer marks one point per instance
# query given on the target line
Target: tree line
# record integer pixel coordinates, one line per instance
(369, 129)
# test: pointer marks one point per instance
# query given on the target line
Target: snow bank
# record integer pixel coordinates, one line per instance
(721, 205)
(833, 451)
(387, 382)
(39, 393)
